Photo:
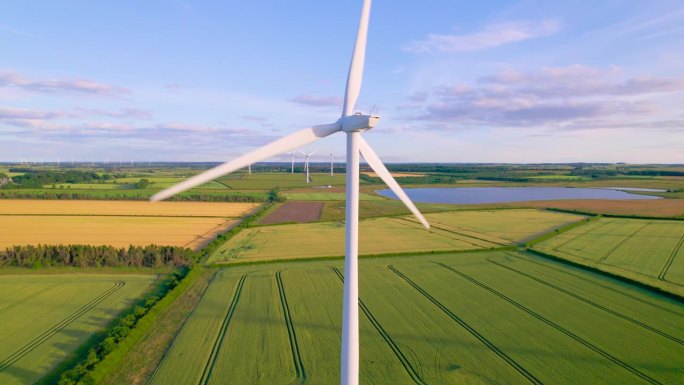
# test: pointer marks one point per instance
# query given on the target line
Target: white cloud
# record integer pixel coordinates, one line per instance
(318, 101)
(570, 98)
(14, 80)
(493, 35)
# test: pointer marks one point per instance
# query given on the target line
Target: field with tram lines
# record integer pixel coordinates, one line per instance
(451, 231)
(649, 251)
(486, 317)
(43, 318)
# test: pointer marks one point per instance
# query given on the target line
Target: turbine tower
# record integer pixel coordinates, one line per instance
(332, 160)
(307, 155)
(352, 125)
(292, 157)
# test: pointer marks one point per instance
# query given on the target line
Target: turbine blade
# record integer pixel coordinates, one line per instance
(297, 139)
(356, 66)
(376, 164)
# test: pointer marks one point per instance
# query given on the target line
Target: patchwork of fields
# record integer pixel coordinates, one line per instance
(649, 251)
(451, 231)
(116, 223)
(486, 318)
(43, 318)
(325, 196)
(267, 181)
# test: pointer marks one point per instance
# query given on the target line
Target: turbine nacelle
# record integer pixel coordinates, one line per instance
(358, 122)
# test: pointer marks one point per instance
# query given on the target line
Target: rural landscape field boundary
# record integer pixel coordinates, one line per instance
(616, 276)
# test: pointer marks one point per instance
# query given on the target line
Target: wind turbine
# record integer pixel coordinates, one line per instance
(332, 160)
(307, 155)
(292, 156)
(351, 124)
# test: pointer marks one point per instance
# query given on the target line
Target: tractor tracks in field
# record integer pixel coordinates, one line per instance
(410, 370)
(603, 286)
(622, 242)
(28, 297)
(211, 361)
(663, 272)
(587, 301)
(554, 325)
(294, 346)
(530, 377)
(56, 328)
(440, 226)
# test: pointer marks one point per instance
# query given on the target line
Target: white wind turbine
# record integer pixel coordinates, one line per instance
(332, 161)
(351, 124)
(307, 156)
(292, 157)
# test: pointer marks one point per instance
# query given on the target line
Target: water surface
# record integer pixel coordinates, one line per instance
(474, 195)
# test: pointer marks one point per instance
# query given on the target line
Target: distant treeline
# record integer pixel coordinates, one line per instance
(96, 256)
(132, 196)
(37, 179)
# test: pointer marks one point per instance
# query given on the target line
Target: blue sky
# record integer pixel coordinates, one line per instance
(453, 81)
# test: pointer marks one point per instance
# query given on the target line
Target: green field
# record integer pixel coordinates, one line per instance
(648, 251)
(325, 196)
(267, 181)
(480, 318)
(43, 318)
(451, 231)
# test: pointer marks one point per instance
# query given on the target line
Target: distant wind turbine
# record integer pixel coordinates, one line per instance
(352, 125)
(292, 154)
(332, 161)
(307, 155)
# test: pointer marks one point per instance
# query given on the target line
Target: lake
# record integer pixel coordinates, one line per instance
(474, 195)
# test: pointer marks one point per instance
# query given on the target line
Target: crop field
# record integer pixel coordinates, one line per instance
(451, 231)
(294, 212)
(124, 208)
(326, 196)
(649, 251)
(43, 318)
(118, 223)
(267, 181)
(649, 208)
(478, 318)
(396, 174)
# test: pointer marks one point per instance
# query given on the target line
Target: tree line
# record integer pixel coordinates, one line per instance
(130, 196)
(37, 179)
(96, 256)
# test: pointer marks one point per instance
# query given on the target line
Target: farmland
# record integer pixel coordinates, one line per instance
(188, 224)
(294, 212)
(267, 181)
(325, 196)
(451, 231)
(43, 318)
(649, 251)
(485, 318)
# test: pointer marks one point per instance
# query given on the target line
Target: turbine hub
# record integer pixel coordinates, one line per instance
(358, 122)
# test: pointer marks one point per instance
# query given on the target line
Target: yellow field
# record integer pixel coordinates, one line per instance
(116, 223)
(138, 208)
(116, 231)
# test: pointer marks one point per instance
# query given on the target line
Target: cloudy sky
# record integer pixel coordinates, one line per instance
(453, 81)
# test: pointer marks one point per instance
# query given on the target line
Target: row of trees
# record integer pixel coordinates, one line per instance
(132, 195)
(37, 179)
(96, 256)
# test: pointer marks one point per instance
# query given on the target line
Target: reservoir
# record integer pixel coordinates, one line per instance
(475, 195)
